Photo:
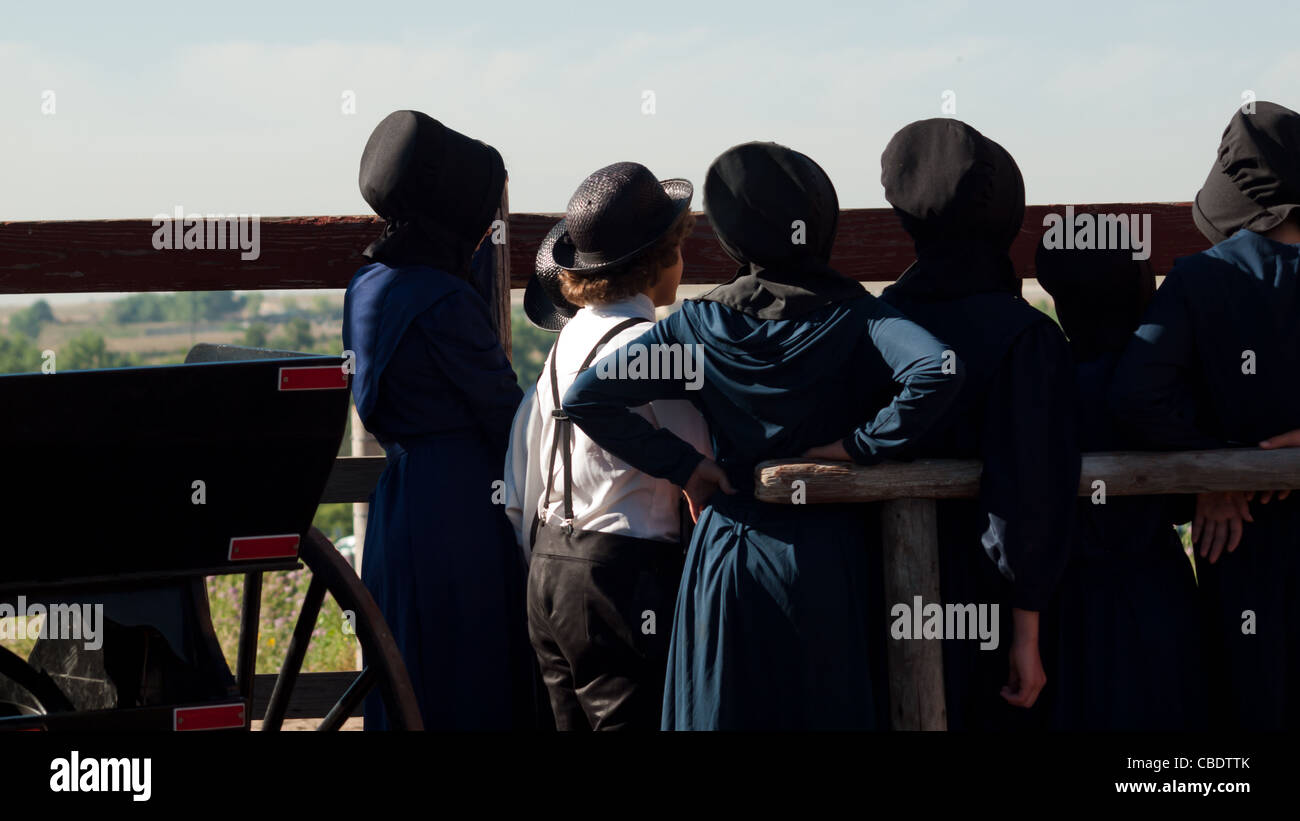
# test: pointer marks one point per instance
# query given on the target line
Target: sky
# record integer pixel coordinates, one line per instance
(237, 107)
(128, 109)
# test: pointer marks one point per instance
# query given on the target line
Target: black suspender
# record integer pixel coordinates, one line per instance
(564, 426)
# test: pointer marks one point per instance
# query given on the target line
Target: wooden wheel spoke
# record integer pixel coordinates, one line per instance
(249, 618)
(295, 694)
(302, 630)
(349, 701)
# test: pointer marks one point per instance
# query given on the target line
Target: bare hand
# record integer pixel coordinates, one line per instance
(704, 482)
(834, 451)
(1025, 679)
(1290, 439)
(1218, 522)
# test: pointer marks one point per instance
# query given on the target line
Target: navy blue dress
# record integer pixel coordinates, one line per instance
(435, 388)
(1214, 365)
(1129, 654)
(773, 620)
(1009, 546)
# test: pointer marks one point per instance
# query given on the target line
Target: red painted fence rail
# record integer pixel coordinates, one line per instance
(324, 252)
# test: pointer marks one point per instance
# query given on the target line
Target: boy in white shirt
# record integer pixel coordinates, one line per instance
(547, 309)
(606, 540)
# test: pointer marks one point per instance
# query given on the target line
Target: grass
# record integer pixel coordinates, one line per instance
(332, 647)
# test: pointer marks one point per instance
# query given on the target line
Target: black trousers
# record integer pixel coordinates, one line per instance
(600, 611)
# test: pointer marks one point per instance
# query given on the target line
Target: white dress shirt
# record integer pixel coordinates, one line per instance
(609, 496)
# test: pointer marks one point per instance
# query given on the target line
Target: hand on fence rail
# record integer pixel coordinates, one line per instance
(1290, 439)
(1220, 517)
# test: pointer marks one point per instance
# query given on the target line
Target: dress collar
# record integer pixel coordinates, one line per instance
(639, 305)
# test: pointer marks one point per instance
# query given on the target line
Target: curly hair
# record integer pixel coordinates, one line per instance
(635, 276)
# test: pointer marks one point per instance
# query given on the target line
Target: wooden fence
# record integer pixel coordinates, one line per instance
(323, 252)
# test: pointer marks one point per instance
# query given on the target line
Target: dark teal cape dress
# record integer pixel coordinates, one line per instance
(775, 614)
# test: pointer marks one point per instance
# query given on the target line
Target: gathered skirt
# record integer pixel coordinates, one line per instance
(771, 630)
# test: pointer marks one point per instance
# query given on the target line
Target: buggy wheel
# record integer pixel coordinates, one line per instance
(330, 573)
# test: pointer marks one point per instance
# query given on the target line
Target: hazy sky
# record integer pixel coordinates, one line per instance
(237, 107)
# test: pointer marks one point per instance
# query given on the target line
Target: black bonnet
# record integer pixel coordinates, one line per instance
(775, 212)
(754, 193)
(1100, 295)
(438, 189)
(950, 183)
(1255, 180)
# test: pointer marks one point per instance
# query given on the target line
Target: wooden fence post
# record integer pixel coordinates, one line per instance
(910, 532)
(501, 257)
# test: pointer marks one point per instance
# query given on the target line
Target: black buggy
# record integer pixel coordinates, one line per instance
(126, 488)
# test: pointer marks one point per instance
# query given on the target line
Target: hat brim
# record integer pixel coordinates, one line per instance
(544, 311)
(565, 254)
(541, 311)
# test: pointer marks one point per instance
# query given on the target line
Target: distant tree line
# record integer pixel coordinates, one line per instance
(27, 322)
(295, 335)
(18, 354)
(21, 353)
(191, 306)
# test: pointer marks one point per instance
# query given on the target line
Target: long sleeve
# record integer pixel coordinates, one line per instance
(600, 406)
(466, 350)
(918, 363)
(523, 470)
(1031, 465)
(1151, 396)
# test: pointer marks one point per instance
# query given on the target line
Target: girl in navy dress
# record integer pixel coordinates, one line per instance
(772, 622)
(1213, 365)
(961, 198)
(1129, 653)
(434, 386)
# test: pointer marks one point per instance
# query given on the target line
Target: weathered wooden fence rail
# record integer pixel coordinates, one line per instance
(324, 252)
(1134, 473)
(908, 491)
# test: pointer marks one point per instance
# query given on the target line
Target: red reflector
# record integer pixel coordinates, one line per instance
(313, 378)
(244, 548)
(218, 717)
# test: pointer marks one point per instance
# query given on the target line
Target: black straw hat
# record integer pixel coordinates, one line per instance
(544, 302)
(616, 212)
